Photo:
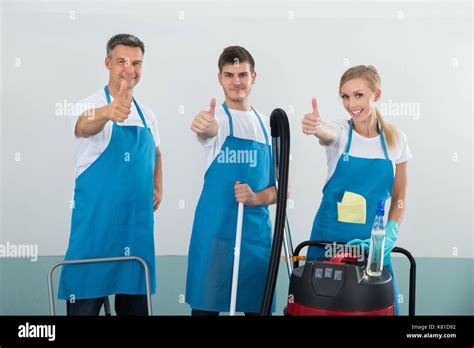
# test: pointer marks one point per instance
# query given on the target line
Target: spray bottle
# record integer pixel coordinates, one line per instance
(377, 241)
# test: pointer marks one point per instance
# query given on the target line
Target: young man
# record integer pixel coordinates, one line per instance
(236, 140)
(118, 187)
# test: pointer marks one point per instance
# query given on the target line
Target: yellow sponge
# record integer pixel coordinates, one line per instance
(352, 209)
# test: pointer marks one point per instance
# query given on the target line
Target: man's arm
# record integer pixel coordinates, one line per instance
(158, 181)
(93, 121)
(267, 196)
(244, 194)
(205, 124)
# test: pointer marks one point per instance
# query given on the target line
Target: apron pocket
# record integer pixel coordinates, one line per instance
(352, 209)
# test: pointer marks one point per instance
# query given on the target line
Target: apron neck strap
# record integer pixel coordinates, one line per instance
(349, 140)
(382, 139)
(107, 94)
(261, 125)
(227, 112)
(140, 113)
(229, 116)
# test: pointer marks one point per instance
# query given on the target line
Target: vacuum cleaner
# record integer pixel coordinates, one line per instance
(335, 286)
(341, 286)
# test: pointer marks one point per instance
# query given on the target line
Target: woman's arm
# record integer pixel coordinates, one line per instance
(398, 202)
(312, 125)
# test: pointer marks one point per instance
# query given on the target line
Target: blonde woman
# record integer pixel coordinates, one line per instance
(367, 164)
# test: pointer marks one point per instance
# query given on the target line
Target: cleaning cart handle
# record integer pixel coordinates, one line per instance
(412, 282)
(306, 243)
(138, 259)
(343, 259)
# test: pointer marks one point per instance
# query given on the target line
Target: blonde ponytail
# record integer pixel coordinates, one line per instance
(390, 131)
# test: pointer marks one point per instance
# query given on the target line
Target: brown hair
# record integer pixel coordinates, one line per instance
(235, 55)
(370, 74)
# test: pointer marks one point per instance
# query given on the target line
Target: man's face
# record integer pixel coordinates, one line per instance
(125, 64)
(237, 81)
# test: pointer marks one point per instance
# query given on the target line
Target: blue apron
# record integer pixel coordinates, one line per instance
(113, 216)
(211, 251)
(371, 178)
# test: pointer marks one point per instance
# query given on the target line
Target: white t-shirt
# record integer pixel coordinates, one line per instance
(89, 149)
(245, 125)
(363, 147)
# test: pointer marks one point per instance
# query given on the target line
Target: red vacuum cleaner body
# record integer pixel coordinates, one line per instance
(333, 287)
(339, 286)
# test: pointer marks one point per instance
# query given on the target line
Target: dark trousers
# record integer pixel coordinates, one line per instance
(200, 313)
(124, 305)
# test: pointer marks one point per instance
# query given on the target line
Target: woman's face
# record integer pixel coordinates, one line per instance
(358, 99)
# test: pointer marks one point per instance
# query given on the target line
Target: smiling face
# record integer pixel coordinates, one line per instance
(359, 99)
(125, 63)
(237, 81)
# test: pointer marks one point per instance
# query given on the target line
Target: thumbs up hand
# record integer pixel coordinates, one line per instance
(121, 107)
(204, 123)
(312, 122)
(125, 93)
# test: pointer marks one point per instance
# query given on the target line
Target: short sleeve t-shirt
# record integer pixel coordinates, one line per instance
(363, 147)
(89, 149)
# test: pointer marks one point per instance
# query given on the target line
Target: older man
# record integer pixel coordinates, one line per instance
(118, 187)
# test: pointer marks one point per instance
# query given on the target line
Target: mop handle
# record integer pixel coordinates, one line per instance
(235, 272)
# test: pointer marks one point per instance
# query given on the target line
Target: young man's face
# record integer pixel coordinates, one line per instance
(237, 81)
(125, 64)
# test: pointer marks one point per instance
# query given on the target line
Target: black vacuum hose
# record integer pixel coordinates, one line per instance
(280, 129)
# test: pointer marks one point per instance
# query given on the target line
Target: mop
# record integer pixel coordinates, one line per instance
(235, 272)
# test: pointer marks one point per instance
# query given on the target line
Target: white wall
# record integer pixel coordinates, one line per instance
(422, 50)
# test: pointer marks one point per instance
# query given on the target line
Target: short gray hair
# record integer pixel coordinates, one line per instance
(126, 40)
